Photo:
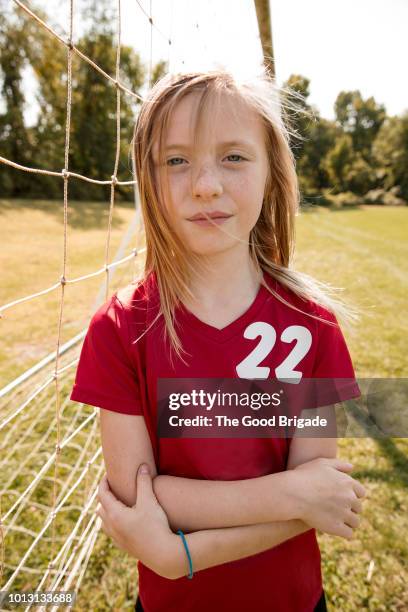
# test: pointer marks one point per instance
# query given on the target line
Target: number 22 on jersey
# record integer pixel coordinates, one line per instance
(250, 368)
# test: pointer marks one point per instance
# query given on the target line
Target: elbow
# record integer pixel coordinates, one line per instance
(171, 574)
(172, 564)
(164, 569)
(168, 568)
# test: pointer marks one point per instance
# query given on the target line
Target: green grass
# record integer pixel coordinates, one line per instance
(31, 260)
(363, 250)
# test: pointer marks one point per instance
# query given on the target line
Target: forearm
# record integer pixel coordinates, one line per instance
(216, 546)
(193, 505)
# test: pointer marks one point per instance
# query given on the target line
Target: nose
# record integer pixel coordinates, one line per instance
(206, 184)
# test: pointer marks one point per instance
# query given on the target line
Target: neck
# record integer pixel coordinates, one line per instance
(227, 278)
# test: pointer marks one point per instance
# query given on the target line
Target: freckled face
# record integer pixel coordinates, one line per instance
(226, 173)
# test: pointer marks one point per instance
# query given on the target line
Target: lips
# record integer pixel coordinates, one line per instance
(210, 223)
(211, 215)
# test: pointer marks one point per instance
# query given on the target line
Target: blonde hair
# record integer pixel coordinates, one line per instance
(272, 240)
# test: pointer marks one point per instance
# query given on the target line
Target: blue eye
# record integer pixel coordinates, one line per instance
(235, 155)
(172, 159)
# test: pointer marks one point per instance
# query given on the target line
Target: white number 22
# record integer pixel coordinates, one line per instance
(249, 368)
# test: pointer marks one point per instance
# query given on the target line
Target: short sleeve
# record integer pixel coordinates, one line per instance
(333, 362)
(106, 376)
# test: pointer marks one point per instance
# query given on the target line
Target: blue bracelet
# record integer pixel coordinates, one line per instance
(190, 563)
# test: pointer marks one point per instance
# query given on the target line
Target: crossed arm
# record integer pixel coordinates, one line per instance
(225, 520)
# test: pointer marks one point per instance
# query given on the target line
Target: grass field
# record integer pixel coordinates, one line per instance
(363, 249)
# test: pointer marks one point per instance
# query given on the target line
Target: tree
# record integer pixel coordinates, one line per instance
(390, 150)
(48, 60)
(94, 114)
(320, 138)
(93, 111)
(14, 136)
(339, 161)
(360, 118)
(347, 169)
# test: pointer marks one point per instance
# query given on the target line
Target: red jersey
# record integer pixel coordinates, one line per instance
(117, 374)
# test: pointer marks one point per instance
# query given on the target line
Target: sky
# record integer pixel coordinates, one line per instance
(337, 44)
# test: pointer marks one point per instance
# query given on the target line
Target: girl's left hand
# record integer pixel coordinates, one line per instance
(142, 530)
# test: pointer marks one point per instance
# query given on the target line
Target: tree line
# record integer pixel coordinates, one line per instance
(360, 156)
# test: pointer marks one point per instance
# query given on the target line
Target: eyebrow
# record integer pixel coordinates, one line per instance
(229, 143)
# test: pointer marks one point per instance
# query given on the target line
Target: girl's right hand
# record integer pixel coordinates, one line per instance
(328, 498)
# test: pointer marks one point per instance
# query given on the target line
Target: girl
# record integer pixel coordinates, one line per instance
(218, 298)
